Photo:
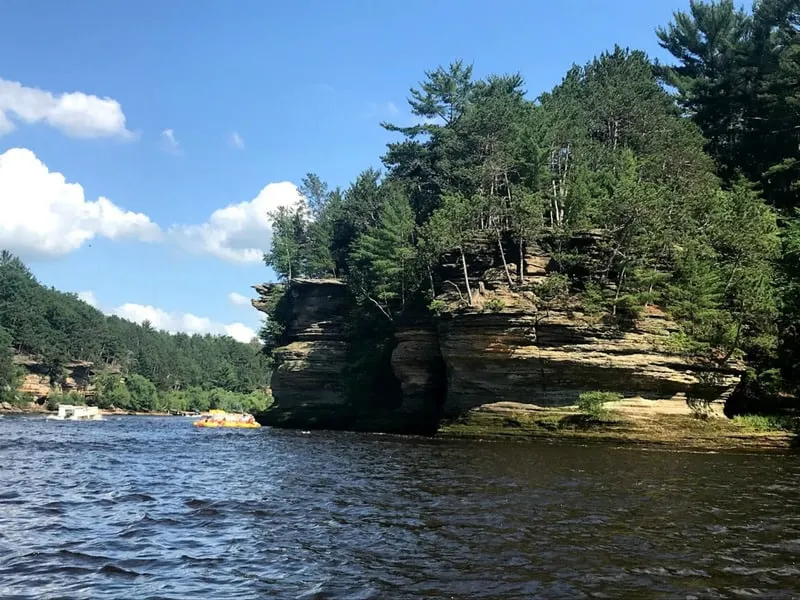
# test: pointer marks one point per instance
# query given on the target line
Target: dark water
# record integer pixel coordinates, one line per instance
(152, 508)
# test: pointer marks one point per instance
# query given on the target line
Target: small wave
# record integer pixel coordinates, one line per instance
(82, 556)
(135, 497)
(116, 571)
(196, 503)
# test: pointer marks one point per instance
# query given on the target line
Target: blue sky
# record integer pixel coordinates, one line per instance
(175, 110)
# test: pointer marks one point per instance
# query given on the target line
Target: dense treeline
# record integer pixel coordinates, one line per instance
(687, 175)
(137, 366)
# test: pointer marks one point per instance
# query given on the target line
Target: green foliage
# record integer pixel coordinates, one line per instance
(9, 373)
(677, 198)
(59, 329)
(552, 291)
(494, 305)
(382, 262)
(438, 307)
(593, 300)
(593, 404)
(288, 240)
(143, 394)
(767, 423)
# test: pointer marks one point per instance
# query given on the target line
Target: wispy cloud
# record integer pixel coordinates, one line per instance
(237, 141)
(169, 142)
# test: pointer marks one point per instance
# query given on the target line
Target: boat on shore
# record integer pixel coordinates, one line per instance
(221, 418)
(70, 412)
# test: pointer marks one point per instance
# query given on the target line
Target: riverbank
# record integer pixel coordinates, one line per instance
(668, 423)
(41, 409)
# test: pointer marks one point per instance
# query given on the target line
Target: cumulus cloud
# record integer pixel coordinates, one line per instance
(75, 114)
(238, 299)
(238, 233)
(43, 215)
(237, 141)
(169, 142)
(182, 322)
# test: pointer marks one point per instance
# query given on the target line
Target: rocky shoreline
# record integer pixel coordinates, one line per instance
(511, 374)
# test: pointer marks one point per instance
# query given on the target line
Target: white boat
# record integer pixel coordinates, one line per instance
(70, 412)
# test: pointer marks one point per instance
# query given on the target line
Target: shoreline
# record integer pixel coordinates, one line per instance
(627, 424)
(41, 410)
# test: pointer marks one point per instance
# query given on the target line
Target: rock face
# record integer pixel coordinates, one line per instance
(307, 380)
(549, 360)
(504, 349)
(417, 362)
(36, 381)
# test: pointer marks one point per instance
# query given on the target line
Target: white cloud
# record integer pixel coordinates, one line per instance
(169, 142)
(182, 322)
(45, 216)
(75, 114)
(238, 233)
(239, 300)
(237, 141)
(88, 297)
(392, 108)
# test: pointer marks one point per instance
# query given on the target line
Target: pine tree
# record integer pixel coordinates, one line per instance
(383, 258)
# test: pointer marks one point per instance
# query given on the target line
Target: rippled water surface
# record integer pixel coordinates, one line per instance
(153, 508)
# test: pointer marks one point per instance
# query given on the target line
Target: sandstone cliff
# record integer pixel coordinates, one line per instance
(307, 377)
(503, 353)
(36, 381)
(548, 360)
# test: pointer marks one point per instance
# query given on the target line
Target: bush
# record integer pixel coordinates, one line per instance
(592, 404)
(54, 399)
(144, 396)
(437, 307)
(73, 397)
(593, 300)
(552, 290)
(629, 308)
(494, 304)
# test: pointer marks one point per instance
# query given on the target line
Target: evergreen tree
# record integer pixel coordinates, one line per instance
(383, 258)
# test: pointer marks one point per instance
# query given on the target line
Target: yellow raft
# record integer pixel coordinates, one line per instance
(220, 418)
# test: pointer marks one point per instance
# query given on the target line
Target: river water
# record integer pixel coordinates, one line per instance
(154, 508)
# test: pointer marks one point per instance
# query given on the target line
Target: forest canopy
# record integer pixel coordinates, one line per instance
(136, 367)
(686, 173)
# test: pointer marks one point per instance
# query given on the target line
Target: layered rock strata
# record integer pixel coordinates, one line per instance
(549, 360)
(307, 378)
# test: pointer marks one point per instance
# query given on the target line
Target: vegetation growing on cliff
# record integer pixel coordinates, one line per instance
(58, 328)
(685, 176)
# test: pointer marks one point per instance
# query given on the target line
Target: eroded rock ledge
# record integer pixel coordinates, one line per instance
(467, 368)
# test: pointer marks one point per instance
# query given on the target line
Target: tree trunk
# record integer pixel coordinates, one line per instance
(503, 256)
(619, 289)
(466, 275)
